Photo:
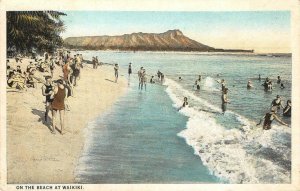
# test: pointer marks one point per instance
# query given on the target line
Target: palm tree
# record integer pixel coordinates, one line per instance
(27, 30)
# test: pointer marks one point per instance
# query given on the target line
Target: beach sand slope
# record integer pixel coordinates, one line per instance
(34, 155)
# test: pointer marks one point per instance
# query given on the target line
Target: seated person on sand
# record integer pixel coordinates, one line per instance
(268, 119)
(287, 111)
(19, 70)
(16, 81)
(8, 71)
(30, 66)
(44, 67)
(18, 58)
(31, 79)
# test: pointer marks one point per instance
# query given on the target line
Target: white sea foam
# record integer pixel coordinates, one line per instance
(236, 155)
(210, 84)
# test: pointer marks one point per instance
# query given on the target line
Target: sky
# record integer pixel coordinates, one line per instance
(263, 31)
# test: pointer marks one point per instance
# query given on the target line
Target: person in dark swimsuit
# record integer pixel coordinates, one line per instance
(287, 111)
(268, 119)
(158, 74)
(116, 68)
(47, 90)
(266, 84)
(199, 78)
(224, 100)
(277, 103)
(129, 70)
(19, 70)
(58, 104)
(162, 77)
(152, 80)
(197, 86)
(278, 80)
(223, 84)
(185, 103)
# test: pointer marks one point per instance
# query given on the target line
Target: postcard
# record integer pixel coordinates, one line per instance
(140, 95)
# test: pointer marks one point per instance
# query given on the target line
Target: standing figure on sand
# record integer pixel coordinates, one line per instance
(116, 68)
(47, 91)
(58, 105)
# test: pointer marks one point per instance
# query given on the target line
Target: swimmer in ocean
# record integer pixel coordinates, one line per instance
(185, 103)
(287, 111)
(249, 85)
(268, 119)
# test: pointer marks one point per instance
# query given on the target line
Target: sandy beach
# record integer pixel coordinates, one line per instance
(34, 155)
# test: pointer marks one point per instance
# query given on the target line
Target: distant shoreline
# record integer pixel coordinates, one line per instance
(191, 52)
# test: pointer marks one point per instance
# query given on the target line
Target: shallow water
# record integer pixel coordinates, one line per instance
(145, 139)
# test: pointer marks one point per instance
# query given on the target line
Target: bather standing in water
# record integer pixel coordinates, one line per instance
(129, 70)
(222, 82)
(197, 86)
(224, 100)
(278, 80)
(199, 78)
(277, 103)
(116, 68)
(185, 103)
(287, 111)
(140, 72)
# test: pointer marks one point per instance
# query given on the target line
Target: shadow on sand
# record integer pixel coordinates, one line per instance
(110, 80)
(41, 114)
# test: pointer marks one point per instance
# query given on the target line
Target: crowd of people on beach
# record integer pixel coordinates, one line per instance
(57, 91)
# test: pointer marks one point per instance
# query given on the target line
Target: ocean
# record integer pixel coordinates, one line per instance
(148, 138)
